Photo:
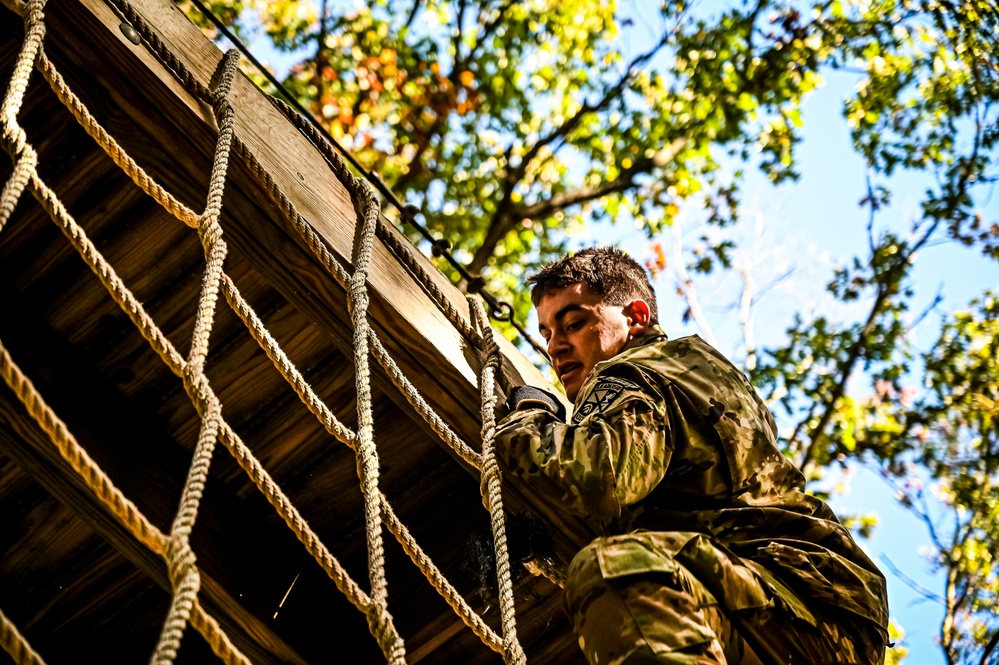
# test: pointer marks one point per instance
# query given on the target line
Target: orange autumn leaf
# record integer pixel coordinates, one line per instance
(658, 261)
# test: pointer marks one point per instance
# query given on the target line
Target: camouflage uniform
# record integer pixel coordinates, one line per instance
(710, 540)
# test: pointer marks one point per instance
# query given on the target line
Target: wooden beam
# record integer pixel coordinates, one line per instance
(158, 122)
(417, 334)
(30, 449)
(301, 173)
(43, 355)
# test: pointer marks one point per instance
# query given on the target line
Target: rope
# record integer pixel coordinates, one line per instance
(403, 254)
(14, 139)
(181, 562)
(499, 310)
(15, 645)
(492, 494)
(185, 607)
(287, 369)
(379, 620)
(115, 503)
(334, 427)
(12, 190)
(322, 254)
(165, 55)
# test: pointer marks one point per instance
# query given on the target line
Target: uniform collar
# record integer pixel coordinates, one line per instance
(652, 334)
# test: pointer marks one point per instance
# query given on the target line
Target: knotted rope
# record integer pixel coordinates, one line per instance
(181, 562)
(513, 654)
(175, 548)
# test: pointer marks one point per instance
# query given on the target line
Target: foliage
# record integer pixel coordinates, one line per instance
(895, 655)
(512, 125)
(952, 432)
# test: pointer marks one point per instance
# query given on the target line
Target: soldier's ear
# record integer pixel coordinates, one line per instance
(639, 316)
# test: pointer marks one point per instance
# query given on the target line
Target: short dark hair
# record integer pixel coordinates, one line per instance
(608, 271)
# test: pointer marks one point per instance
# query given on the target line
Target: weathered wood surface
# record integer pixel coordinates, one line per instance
(411, 325)
(70, 576)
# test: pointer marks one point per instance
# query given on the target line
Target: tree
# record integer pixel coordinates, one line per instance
(511, 125)
(951, 430)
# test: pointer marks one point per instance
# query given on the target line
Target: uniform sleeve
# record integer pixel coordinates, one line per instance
(612, 455)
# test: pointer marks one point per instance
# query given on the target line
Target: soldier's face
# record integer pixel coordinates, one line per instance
(581, 330)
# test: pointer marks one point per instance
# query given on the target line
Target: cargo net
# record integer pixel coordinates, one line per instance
(174, 547)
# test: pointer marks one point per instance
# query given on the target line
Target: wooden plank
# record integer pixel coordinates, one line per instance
(301, 173)
(412, 327)
(31, 449)
(410, 324)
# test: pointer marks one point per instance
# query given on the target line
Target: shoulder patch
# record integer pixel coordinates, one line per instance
(630, 385)
(602, 396)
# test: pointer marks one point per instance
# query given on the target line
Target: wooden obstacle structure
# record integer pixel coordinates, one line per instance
(292, 325)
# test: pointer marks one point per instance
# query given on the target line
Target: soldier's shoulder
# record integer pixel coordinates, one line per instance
(689, 362)
(673, 354)
(606, 388)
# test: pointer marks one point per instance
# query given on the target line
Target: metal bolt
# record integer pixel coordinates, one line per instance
(131, 34)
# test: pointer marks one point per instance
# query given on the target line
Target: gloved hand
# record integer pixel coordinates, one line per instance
(529, 397)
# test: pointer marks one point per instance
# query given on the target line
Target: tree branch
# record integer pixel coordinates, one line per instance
(750, 24)
(412, 14)
(505, 217)
(874, 209)
(748, 292)
(456, 40)
(911, 583)
(937, 299)
(989, 648)
(886, 289)
(610, 95)
(503, 223)
(488, 28)
(686, 285)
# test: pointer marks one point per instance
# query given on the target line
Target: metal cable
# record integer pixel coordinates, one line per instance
(499, 310)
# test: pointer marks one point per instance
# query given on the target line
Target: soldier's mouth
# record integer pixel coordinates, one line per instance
(566, 369)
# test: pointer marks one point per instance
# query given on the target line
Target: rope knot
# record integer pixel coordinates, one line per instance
(381, 627)
(513, 653)
(224, 75)
(358, 300)
(196, 384)
(181, 561)
(220, 103)
(209, 230)
(14, 134)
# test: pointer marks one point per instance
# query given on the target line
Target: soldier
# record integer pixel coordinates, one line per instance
(711, 550)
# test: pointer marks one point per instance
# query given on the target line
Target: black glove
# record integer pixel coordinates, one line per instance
(529, 397)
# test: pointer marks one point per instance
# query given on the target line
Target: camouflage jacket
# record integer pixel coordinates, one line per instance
(670, 436)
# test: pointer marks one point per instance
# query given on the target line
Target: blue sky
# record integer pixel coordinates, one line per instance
(808, 227)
